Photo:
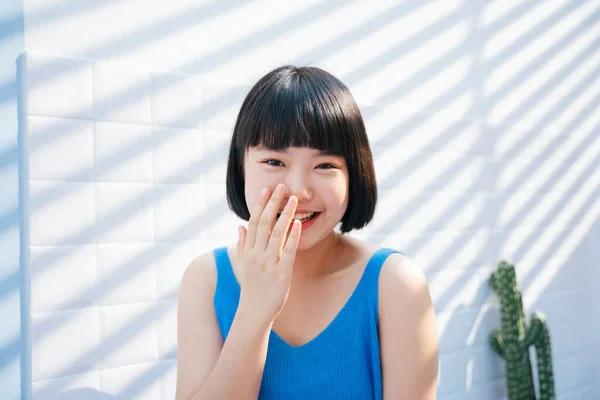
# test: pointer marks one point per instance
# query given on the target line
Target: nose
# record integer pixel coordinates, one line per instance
(298, 184)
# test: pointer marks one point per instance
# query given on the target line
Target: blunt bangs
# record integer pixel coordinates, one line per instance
(298, 108)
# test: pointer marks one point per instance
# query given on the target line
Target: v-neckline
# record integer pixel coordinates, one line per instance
(330, 325)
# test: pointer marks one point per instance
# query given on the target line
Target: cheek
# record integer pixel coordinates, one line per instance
(254, 184)
(335, 193)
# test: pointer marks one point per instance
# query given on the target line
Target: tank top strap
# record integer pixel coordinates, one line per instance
(370, 279)
(227, 291)
(225, 275)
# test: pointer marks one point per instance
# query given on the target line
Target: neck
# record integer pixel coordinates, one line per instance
(316, 261)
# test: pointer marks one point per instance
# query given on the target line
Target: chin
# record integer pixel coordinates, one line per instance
(306, 243)
(310, 239)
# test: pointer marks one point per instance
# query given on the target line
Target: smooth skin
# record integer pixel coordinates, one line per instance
(276, 297)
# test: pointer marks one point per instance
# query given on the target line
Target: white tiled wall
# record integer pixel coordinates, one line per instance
(483, 120)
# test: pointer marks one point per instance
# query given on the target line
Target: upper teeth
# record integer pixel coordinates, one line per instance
(303, 216)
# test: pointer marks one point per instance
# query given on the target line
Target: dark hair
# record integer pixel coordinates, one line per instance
(304, 107)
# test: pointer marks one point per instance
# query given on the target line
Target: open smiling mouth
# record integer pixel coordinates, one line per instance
(304, 217)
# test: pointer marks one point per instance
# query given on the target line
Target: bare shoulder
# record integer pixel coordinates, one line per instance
(402, 279)
(408, 332)
(201, 273)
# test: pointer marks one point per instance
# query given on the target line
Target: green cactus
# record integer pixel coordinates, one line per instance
(514, 338)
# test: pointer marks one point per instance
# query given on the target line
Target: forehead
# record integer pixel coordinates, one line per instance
(299, 151)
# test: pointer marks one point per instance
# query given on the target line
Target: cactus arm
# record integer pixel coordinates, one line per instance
(534, 332)
(544, 357)
(497, 342)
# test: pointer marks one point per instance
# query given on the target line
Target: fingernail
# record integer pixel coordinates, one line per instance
(263, 192)
(279, 188)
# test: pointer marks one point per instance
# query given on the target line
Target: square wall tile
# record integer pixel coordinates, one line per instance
(124, 212)
(179, 212)
(58, 87)
(126, 273)
(178, 156)
(177, 100)
(60, 149)
(121, 94)
(61, 213)
(136, 381)
(123, 152)
(63, 277)
(81, 386)
(128, 334)
(64, 343)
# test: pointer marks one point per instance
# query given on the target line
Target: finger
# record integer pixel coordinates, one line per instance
(288, 255)
(268, 217)
(255, 217)
(277, 239)
(241, 240)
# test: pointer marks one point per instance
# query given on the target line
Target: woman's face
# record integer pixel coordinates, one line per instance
(319, 181)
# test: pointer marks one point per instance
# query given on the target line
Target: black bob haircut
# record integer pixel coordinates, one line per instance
(304, 107)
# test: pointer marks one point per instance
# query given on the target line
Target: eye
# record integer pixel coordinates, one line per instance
(326, 166)
(273, 163)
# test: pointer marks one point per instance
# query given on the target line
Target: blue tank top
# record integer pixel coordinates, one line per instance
(342, 362)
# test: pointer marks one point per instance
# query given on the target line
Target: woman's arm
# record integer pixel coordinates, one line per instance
(207, 368)
(409, 342)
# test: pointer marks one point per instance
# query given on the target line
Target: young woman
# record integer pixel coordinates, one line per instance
(298, 309)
